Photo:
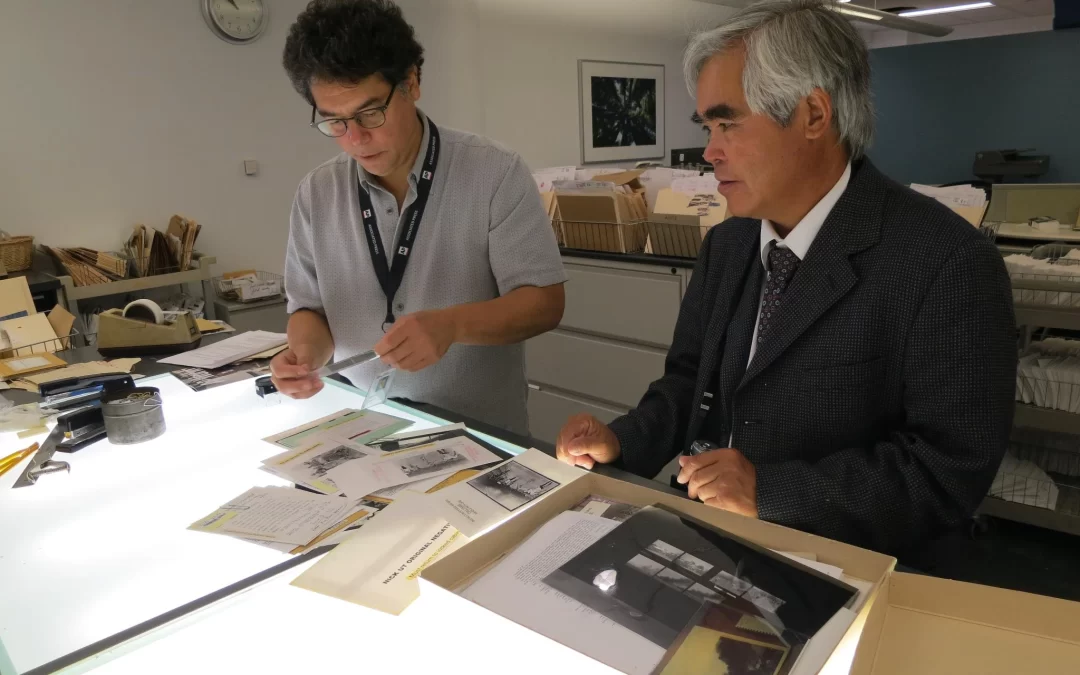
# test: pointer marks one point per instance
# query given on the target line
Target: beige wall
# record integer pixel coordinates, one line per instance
(124, 111)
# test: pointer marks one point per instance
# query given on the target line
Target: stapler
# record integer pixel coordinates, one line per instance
(80, 400)
(78, 391)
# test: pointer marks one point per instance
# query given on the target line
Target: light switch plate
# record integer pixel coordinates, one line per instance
(251, 167)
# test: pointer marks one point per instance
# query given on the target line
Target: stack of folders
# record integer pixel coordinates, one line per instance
(348, 467)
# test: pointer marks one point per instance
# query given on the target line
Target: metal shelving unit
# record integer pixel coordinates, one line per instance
(199, 274)
(1047, 431)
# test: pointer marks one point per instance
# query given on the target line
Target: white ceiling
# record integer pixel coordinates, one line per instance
(660, 18)
(678, 18)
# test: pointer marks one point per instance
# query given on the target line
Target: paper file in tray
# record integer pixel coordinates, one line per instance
(227, 351)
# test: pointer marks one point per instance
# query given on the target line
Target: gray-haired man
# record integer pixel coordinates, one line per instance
(846, 345)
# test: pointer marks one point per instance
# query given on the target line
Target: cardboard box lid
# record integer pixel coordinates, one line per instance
(446, 576)
(677, 204)
(32, 333)
(930, 626)
(549, 201)
(15, 298)
(595, 208)
(629, 178)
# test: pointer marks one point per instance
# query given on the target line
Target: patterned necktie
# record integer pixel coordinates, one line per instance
(782, 265)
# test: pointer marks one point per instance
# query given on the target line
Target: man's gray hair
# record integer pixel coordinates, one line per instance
(792, 48)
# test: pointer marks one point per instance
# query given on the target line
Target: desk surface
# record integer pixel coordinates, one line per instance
(100, 556)
(90, 554)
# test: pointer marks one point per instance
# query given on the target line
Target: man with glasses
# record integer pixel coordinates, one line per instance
(429, 245)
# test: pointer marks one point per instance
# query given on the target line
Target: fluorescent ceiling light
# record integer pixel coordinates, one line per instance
(946, 10)
(889, 20)
(862, 15)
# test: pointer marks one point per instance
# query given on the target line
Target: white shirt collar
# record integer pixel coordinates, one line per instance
(804, 233)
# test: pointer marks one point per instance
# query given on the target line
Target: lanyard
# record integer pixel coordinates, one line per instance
(390, 276)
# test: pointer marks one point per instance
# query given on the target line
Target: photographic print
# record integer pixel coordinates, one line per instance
(438, 459)
(674, 579)
(727, 641)
(704, 593)
(513, 485)
(645, 565)
(664, 550)
(661, 607)
(622, 111)
(763, 600)
(597, 505)
(730, 583)
(319, 464)
(693, 565)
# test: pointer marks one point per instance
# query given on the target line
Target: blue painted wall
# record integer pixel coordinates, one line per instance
(937, 104)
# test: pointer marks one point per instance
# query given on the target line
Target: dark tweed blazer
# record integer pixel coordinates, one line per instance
(879, 409)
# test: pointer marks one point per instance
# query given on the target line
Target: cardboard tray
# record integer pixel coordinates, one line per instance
(931, 626)
(439, 582)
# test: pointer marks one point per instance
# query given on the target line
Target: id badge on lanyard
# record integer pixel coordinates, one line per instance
(390, 275)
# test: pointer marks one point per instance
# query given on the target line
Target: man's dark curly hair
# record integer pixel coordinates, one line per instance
(349, 41)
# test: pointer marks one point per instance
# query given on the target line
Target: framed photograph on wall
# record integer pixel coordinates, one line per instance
(622, 111)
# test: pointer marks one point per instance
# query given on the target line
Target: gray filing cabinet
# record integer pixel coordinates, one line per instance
(610, 345)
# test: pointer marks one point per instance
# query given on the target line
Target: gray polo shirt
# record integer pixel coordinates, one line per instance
(484, 233)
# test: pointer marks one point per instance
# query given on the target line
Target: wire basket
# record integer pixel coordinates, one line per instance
(58, 344)
(1056, 387)
(603, 236)
(1057, 287)
(675, 239)
(265, 286)
(1041, 469)
(17, 253)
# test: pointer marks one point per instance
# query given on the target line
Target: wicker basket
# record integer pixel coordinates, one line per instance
(17, 253)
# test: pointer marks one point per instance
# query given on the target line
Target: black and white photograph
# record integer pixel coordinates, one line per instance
(731, 583)
(660, 605)
(645, 565)
(763, 599)
(664, 550)
(674, 579)
(604, 507)
(319, 464)
(513, 485)
(198, 379)
(695, 566)
(704, 593)
(622, 111)
(437, 459)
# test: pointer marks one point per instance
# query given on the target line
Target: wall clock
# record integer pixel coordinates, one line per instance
(237, 22)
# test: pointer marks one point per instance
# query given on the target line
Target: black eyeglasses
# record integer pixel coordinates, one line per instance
(370, 118)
